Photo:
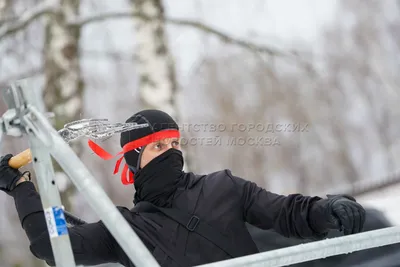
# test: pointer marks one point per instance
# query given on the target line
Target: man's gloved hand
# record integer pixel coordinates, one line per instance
(337, 212)
(8, 175)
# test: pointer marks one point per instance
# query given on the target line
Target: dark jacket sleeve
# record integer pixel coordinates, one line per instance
(91, 244)
(287, 215)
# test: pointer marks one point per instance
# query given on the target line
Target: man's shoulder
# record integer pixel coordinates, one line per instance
(220, 173)
(223, 176)
(216, 179)
(212, 175)
(125, 212)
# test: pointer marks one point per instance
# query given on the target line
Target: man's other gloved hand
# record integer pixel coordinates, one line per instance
(337, 212)
(8, 175)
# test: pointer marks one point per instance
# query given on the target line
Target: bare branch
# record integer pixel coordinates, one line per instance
(7, 19)
(106, 16)
(49, 7)
(226, 38)
(27, 17)
(22, 75)
(4, 6)
(366, 186)
(114, 55)
(181, 22)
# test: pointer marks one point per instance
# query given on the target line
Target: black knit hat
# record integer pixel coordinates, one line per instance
(157, 120)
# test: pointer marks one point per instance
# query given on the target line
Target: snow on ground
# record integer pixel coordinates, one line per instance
(386, 200)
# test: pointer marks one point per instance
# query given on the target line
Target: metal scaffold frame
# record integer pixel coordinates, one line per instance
(316, 250)
(25, 116)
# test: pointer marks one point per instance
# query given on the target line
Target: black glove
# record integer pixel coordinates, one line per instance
(337, 212)
(8, 175)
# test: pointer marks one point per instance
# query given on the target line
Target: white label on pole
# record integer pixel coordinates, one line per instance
(55, 221)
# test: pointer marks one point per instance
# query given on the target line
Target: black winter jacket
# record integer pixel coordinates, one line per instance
(220, 199)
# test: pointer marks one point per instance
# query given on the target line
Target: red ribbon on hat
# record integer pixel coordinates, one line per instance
(125, 178)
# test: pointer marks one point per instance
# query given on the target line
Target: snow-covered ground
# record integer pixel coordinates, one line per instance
(386, 200)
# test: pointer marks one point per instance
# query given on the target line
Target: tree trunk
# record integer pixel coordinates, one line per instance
(4, 4)
(155, 65)
(63, 91)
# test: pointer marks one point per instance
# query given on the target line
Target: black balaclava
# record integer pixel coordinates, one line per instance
(159, 179)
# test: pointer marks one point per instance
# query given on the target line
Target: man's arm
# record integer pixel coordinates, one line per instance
(287, 215)
(92, 243)
(295, 215)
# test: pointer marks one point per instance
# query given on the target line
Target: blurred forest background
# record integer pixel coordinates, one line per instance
(330, 67)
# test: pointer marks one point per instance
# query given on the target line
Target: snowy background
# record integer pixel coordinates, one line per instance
(334, 68)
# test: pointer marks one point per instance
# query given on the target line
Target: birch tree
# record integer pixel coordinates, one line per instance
(4, 5)
(158, 85)
(63, 92)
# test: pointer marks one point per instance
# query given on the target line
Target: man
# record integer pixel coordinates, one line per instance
(184, 219)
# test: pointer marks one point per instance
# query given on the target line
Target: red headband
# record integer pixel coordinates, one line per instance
(125, 179)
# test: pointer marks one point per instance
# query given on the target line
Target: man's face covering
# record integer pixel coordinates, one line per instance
(158, 180)
(155, 149)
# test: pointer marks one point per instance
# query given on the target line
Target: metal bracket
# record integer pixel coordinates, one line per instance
(14, 121)
(11, 119)
(10, 123)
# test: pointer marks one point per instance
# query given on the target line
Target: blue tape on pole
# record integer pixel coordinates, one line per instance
(55, 219)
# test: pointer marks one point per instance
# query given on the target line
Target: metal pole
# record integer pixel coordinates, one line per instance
(49, 195)
(95, 196)
(316, 250)
(52, 205)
